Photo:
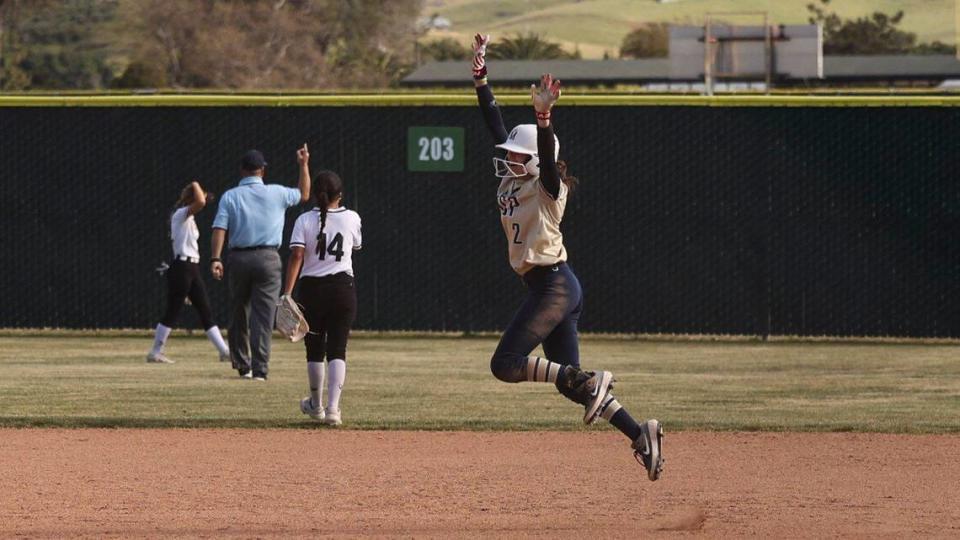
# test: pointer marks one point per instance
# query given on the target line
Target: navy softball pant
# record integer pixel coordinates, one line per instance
(548, 316)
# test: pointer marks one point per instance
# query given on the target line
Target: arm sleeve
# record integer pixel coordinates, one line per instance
(491, 113)
(296, 236)
(549, 175)
(222, 219)
(180, 214)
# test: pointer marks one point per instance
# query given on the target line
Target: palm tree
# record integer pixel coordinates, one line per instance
(527, 47)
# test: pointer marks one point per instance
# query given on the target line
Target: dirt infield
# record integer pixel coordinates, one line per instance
(266, 483)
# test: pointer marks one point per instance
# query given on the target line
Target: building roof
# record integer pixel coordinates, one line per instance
(524, 72)
(890, 67)
(657, 70)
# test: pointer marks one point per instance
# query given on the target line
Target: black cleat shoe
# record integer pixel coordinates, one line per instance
(596, 389)
(648, 448)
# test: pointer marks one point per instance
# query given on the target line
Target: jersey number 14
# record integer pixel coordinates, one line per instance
(335, 247)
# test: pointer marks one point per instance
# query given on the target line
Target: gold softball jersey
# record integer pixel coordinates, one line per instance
(531, 222)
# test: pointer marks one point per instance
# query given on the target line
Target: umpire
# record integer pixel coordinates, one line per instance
(251, 215)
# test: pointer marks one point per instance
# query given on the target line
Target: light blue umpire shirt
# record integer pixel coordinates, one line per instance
(253, 213)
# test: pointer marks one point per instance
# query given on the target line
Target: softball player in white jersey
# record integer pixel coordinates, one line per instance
(322, 243)
(183, 276)
(532, 197)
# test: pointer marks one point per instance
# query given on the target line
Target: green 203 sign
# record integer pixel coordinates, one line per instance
(435, 149)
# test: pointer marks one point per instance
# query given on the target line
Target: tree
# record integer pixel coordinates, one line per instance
(53, 44)
(528, 47)
(444, 49)
(873, 34)
(937, 47)
(141, 74)
(12, 53)
(650, 40)
(303, 44)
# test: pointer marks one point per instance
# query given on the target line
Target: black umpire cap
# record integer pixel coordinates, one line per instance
(252, 161)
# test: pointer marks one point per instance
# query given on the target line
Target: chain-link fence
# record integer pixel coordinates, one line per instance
(719, 220)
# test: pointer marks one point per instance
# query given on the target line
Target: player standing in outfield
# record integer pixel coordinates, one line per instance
(532, 197)
(183, 276)
(322, 243)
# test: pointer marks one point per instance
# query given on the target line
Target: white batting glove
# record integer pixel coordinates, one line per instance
(480, 43)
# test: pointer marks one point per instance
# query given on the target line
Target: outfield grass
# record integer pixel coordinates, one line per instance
(445, 383)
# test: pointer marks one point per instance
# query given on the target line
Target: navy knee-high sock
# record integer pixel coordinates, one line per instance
(613, 412)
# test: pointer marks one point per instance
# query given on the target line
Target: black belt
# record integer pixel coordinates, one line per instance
(252, 248)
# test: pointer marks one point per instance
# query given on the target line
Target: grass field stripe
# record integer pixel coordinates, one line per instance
(71, 380)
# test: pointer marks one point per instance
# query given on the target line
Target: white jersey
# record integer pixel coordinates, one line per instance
(184, 232)
(329, 253)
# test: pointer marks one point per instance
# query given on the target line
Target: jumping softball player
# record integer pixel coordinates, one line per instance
(183, 276)
(532, 197)
(322, 242)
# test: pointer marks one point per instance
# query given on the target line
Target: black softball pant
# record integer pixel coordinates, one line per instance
(548, 316)
(184, 281)
(330, 307)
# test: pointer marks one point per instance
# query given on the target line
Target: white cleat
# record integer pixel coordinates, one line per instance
(307, 408)
(597, 387)
(158, 358)
(333, 418)
(648, 448)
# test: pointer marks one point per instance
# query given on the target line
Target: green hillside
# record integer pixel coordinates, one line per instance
(596, 26)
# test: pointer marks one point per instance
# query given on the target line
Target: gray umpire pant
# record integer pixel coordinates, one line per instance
(255, 285)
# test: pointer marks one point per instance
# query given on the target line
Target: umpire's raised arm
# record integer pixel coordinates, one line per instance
(303, 158)
(488, 104)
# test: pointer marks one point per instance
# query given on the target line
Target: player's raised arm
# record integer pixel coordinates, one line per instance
(198, 197)
(488, 104)
(544, 97)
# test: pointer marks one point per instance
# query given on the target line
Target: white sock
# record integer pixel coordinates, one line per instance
(217, 338)
(542, 370)
(609, 407)
(338, 372)
(315, 377)
(160, 338)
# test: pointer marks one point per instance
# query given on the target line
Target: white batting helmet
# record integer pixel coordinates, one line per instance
(522, 140)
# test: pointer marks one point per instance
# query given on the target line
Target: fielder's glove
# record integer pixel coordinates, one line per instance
(480, 43)
(290, 320)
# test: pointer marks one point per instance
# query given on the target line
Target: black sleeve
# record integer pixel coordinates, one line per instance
(549, 175)
(491, 113)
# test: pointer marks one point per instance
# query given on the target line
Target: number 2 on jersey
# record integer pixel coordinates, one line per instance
(516, 234)
(335, 247)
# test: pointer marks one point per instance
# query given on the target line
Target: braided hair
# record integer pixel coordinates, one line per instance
(327, 187)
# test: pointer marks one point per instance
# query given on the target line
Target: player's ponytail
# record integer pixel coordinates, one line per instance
(327, 187)
(571, 181)
(323, 201)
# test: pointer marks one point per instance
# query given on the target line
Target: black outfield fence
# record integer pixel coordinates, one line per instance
(723, 216)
